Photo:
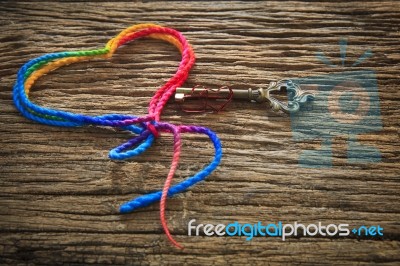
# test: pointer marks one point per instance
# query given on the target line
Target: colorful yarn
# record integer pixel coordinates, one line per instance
(147, 127)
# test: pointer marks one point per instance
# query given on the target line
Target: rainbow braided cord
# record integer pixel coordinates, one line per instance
(146, 128)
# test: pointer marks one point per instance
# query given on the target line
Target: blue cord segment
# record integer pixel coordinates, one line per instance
(145, 200)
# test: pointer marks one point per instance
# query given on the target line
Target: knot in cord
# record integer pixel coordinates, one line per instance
(153, 129)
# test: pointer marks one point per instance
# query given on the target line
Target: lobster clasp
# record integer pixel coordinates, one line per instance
(296, 96)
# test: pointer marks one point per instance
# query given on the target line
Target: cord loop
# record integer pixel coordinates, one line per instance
(145, 128)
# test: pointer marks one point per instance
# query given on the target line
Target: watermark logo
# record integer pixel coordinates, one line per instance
(281, 230)
(346, 105)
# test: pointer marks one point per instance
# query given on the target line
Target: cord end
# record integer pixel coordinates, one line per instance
(125, 208)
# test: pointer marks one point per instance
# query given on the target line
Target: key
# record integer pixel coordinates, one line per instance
(222, 96)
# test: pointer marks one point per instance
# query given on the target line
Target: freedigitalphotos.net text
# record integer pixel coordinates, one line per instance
(280, 230)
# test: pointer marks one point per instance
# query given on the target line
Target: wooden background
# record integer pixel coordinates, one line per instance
(59, 192)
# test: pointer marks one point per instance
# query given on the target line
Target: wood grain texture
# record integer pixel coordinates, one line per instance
(60, 193)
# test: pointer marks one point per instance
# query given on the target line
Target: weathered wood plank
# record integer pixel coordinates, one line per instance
(60, 193)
